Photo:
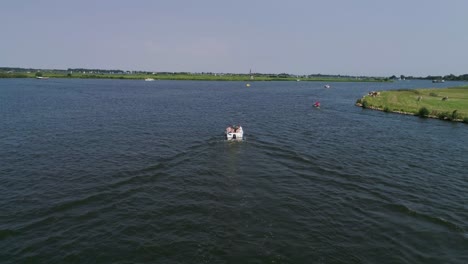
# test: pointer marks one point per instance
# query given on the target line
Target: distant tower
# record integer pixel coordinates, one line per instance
(251, 76)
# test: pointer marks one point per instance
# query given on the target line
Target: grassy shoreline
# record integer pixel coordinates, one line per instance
(189, 77)
(442, 103)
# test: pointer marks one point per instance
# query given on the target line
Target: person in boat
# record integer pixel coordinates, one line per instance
(317, 104)
(229, 129)
(235, 127)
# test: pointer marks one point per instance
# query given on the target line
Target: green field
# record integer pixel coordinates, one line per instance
(446, 103)
(187, 76)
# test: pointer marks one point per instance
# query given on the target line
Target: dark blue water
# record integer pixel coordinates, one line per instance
(118, 171)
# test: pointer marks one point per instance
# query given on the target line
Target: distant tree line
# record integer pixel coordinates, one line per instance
(25, 70)
(15, 72)
(450, 77)
(95, 70)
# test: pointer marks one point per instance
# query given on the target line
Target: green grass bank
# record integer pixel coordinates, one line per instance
(188, 77)
(442, 103)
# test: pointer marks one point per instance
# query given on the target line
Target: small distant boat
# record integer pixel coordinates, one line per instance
(42, 78)
(234, 132)
(298, 80)
(317, 104)
(149, 79)
(247, 85)
(326, 86)
(438, 81)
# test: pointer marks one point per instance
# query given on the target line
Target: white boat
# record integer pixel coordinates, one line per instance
(42, 78)
(327, 86)
(149, 79)
(438, 81)
(234, 133)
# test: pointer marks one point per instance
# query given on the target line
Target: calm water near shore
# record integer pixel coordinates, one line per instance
(123, 171)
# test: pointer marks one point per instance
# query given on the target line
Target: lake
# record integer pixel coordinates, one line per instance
(127, 171)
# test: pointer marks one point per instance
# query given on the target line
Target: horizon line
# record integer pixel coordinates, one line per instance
(211, 72)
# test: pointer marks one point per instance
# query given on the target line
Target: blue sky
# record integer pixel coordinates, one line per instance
(360, 37)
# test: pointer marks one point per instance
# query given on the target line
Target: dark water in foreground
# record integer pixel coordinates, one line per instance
(107, 171)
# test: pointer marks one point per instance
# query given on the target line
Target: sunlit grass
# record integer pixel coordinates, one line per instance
(437, 101)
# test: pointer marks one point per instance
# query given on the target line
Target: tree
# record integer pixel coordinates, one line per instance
(423, 112)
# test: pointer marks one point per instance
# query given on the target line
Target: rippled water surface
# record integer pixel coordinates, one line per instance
(118, 171)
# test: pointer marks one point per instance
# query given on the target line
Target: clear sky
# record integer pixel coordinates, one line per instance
(349, 37)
